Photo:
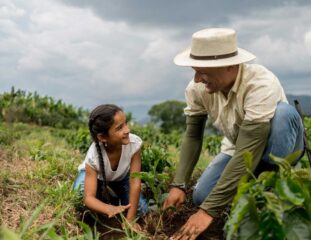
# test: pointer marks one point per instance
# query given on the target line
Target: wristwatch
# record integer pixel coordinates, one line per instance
(181, 186)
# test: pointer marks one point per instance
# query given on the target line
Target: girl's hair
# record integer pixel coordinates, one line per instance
(100, 121)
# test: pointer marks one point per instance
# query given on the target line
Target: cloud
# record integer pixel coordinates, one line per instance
(10, 10)
(90, 52)
(176, 13)
(58, 54)
(279, 38)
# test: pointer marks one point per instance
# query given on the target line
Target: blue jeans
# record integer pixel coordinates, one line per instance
(286, 137)
(120, 188)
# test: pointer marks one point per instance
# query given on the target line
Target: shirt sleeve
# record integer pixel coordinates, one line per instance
(91, 158)
(193, 95)
(253, 138)
(190, 148)
(137, 143)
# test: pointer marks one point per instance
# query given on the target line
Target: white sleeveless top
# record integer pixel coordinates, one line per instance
(123, 169)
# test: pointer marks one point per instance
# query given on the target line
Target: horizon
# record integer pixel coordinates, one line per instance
(92, 52)
(140, 115)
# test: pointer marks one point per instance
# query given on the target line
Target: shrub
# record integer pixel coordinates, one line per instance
(276, 205)
(212, 144)
(19, 106)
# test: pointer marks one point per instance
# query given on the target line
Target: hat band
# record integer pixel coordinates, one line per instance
(215, 57)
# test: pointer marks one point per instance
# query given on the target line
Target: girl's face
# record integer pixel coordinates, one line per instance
(119, 131)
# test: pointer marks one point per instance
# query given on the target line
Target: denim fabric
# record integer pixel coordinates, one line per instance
(286, 136)
(121, 188)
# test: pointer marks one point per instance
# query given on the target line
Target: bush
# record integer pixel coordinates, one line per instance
(150, 134)
(19, 106)
(152, 154)
(212, 144)
(276, 205)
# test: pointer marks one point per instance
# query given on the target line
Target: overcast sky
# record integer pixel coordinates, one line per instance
(121, 51)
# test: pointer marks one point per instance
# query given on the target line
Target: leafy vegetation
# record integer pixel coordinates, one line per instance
(212, 144)
(20, 106)
(39, 165)
(169, 115)
(276, 205)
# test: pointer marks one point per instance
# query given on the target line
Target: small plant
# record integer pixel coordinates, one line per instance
(212, 144)
(157, 183)
(276, 205)
(154, 158)
(80, 139)
(51, 230)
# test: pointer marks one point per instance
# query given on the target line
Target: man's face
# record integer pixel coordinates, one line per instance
(215, 79)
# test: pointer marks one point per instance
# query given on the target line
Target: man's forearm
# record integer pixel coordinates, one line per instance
(253, 138)
(190, 148)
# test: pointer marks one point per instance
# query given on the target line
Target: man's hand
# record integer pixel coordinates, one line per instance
(114, 210)
(195, 225)
(176, 197)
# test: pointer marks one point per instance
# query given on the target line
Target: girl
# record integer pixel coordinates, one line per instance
(113, 155)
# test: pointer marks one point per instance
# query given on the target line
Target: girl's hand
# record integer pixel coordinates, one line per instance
(132, 225)
(114, 210)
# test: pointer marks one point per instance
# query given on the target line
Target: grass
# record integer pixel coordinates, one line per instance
(36, 196)
(37, 168)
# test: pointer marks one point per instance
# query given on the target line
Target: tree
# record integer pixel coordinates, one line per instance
(169, 115)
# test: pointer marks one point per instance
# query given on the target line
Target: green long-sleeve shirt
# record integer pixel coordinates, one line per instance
(252, 137)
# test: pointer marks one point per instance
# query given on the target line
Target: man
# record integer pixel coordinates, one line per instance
(247, 103)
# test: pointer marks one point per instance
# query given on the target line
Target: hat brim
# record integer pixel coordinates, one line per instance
(183, 59)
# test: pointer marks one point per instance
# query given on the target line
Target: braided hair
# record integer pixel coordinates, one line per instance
(100, 121)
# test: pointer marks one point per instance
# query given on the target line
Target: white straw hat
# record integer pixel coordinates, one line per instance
(213, 47)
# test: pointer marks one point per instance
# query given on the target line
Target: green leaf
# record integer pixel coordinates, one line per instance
(297, 225)
(267, 178)
(88, 234)
(249, 229)
(243, 188)
(303, 173)
(26, 225)
(269, 227)
(289, 190)
(285, 167)
(236, 216)
(274, 205)
(8, 234)
(293, 157)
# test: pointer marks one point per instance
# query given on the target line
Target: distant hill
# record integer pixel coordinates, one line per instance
(304, 100)
(140, 111)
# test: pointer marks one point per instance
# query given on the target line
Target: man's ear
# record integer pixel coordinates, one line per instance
(101, 137)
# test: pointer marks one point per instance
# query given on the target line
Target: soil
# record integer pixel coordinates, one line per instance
(156, 229)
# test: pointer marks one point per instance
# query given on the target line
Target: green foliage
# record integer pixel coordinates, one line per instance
(276, 205)
(12, 132)
(151, 135)
(19, 106)
(7, 234)
(80, 139)
(153, 156)
(169, 115)
(157, 183)
(156, 170)
(49, 231)
(212, 144)
(307, 123)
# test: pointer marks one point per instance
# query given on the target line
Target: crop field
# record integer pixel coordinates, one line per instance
(39, 158)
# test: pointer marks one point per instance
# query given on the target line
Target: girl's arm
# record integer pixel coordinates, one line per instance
(90, 200)
(134, 186)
